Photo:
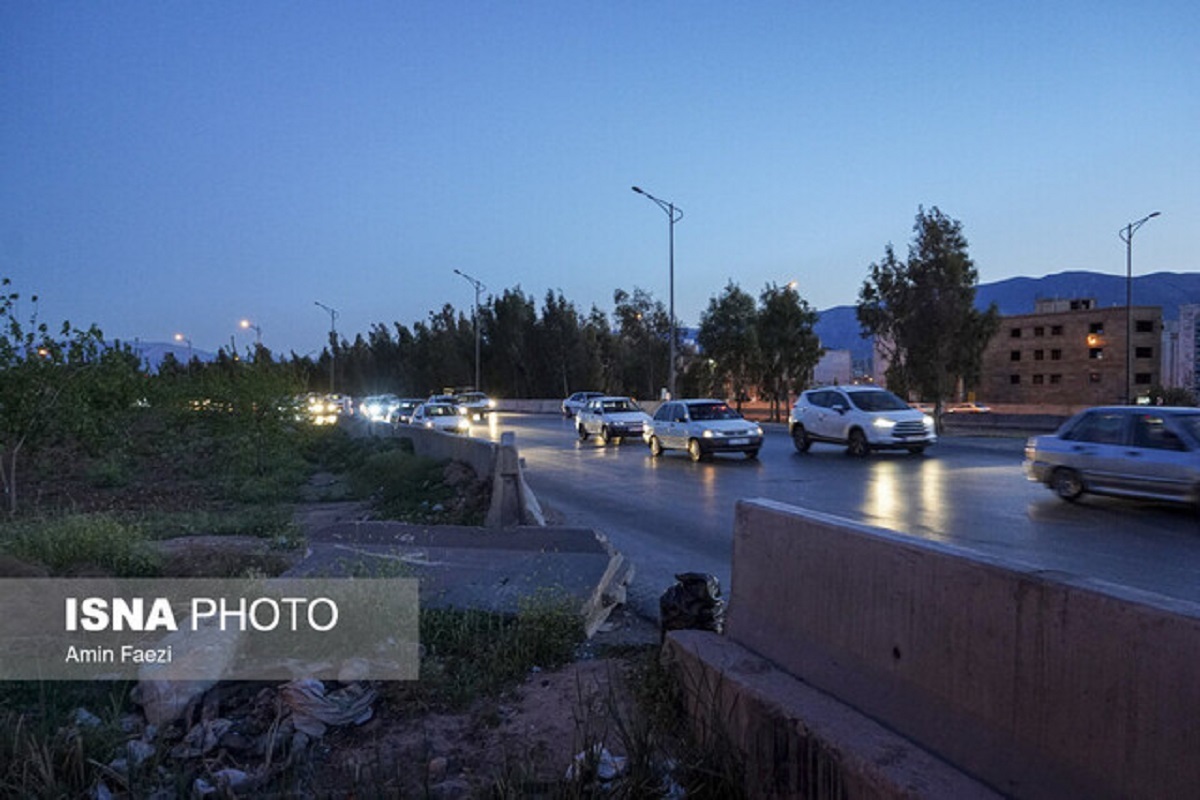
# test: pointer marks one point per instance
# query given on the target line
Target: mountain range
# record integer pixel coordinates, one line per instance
(839, 329)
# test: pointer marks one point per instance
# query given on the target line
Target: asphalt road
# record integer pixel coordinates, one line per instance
(672, 515)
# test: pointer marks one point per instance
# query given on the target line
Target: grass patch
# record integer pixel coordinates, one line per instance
(73, 543)
(471, 654)
(49, 746)
(402, 485)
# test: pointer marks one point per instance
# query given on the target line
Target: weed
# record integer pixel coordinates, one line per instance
(77, 541)
(471, 654)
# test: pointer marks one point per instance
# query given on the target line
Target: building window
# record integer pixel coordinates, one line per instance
(1014, 379)
(1096, 328)
(1093, 377)
(1096, 353)
(1144, 352)
(1039, 355)
(1039, 330)
(1142, 379)
(1056, 355)
(1055, 380)
(1015, 355)
(1056, 330)
(1015, 333)
(1038, 380)
(1144, 326)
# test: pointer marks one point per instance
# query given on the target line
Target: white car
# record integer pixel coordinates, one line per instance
(862, 418)
(379, 407)
(702, 427)
(445, 417)
(573, 404)
(611, 418)
(477, 404)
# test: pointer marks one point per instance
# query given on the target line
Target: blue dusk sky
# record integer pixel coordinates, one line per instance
(178, 166)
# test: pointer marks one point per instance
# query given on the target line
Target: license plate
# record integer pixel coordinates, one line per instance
(736, 442)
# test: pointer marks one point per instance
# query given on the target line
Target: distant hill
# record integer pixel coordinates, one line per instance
(839, 330)
(153, 353)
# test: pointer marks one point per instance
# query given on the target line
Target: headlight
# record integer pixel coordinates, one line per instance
(884, 423)
(928, 420)
(758, 431)
(491, 403)
(708, 434)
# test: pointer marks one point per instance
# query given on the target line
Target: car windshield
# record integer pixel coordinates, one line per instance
(474, 397)
(619, 405)
(712, 411)
(440, 410)
(878, 401)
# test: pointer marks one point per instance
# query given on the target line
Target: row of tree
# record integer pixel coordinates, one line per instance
(71, 385)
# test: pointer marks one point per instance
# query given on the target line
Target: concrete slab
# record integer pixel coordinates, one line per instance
(481, 568)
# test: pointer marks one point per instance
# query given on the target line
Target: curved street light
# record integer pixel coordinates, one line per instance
(333, 315)
(248, 325)
(674, 214)
(179, 337)
(1126, 235)
(479, 287)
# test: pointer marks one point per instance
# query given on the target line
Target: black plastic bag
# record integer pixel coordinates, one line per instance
(693, 603)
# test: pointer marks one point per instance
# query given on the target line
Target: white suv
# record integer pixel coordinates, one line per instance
(863, 418)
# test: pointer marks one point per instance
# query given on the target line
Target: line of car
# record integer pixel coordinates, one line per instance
(1143, 452)
(452, 413)
(860, 418)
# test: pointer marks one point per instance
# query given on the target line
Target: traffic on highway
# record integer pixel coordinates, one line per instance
(671, 508)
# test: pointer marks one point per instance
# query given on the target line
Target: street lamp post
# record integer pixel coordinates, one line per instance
(479, 287)
(1126, 235)
(248, 325)
(674, 214)
(333, 314)
(179, 337)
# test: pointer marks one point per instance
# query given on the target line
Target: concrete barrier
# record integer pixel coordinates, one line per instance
(513, 502)
(1042, 685)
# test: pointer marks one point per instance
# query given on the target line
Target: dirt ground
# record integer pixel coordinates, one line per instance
(521, 744)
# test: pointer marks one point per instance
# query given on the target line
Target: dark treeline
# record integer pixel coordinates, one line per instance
(552, 350)
(525, 350)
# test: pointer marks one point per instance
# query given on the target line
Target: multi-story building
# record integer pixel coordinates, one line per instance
(1181, 350)
(1071, 352)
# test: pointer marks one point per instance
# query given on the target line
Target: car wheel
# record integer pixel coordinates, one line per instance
(1067, 484)
(583, 434)
(800, 438)
(694, 449)
(751, 455)
(857, 445)
(604, 437)
(655, 447)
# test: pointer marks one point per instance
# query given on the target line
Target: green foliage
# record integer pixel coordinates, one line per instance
(471, 654)
(1171, 396)
(789, 347)
(729, 337)
(82, 543)
(44, 751)
(922, 310)
(69, 385)
(770, 347)
(402, 485)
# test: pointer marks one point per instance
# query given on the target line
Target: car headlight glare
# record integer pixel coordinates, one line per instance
(708, 434)
(884, 423)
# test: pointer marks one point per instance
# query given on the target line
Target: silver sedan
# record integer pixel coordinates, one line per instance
(1145, 452)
